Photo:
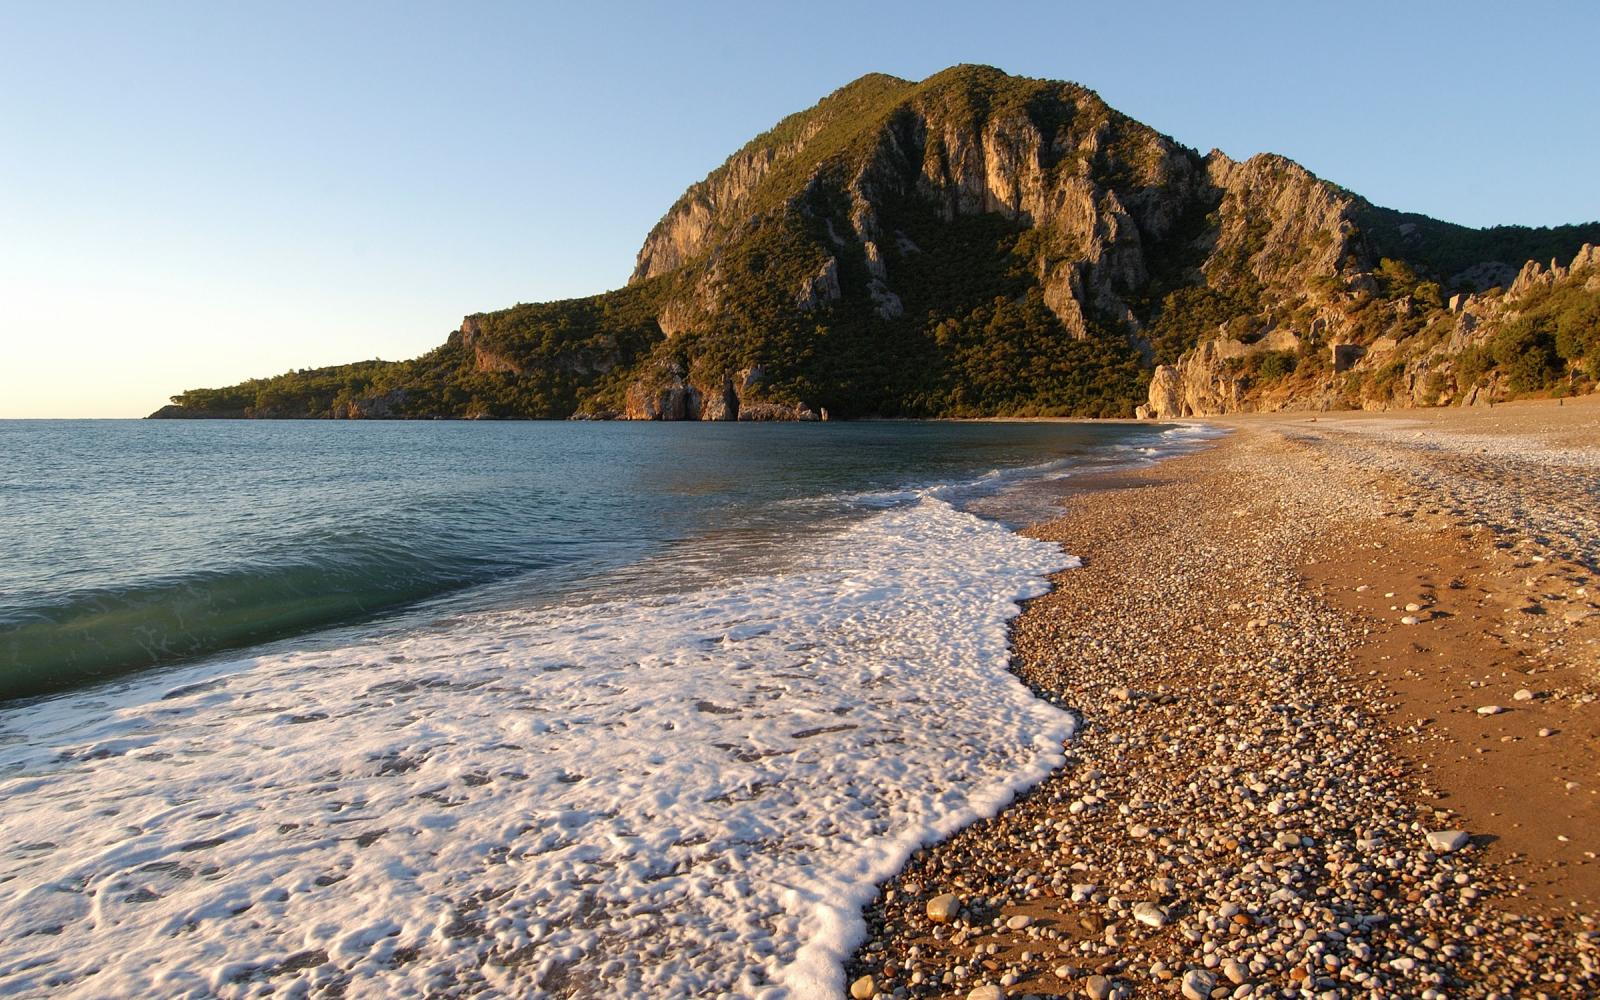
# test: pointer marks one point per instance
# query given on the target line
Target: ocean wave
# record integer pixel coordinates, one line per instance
(689, 794)
(94, 634)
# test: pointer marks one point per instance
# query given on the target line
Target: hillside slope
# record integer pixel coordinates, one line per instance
(977, 244)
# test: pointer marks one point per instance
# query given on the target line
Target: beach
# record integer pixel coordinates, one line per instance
(1243, 709)
(1335, 680)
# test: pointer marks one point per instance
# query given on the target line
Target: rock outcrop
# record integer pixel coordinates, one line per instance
(1200, 385)
(662, 394)
(821, 288)
(484, 358)
(387, 406)
(665, 392)
(1109, 200)
(1166, 400)
(1411, 356)
(1285, 223)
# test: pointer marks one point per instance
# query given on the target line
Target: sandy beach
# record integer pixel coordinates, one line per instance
(1337, 681)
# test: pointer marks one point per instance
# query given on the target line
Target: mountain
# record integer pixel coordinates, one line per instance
(982, 244)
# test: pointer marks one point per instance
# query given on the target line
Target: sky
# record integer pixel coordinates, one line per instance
(192, 194)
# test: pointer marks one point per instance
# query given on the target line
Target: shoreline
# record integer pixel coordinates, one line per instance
(1268, 734)
(686, 791)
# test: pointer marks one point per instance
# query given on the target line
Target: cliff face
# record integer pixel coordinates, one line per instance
(685, 232)
(973, 244)
(1361, 350)
(1093, 191)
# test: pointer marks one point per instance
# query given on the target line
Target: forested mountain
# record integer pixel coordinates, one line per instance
(979, 244)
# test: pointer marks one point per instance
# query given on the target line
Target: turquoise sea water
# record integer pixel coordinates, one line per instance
(136, 544)
(437, 708)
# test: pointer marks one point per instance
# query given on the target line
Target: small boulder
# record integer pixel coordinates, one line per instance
(1198, 984)
(943, 909)
(1149, 914)
(1446, 841)
(1236, 971)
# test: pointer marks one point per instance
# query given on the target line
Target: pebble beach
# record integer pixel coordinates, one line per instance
(1335, 681)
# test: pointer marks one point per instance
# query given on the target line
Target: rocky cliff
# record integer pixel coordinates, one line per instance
(1360, 349)
(973, 244)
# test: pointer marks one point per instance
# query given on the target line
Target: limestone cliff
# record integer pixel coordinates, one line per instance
(1362, 350)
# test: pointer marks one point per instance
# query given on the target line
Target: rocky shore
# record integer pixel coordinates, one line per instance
(1336, 678)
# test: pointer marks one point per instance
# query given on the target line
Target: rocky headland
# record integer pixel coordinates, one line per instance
(978, 244)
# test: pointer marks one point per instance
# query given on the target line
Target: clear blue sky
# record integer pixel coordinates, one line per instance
(192, 194)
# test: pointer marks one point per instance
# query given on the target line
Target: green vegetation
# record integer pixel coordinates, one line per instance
(1445, 249)
(1552, 340)
(1190, 315)
(1382, 381)
(1012, 358)
(1272, 366)
(1180, 312)
(543, 360)
(306, 392)
(1556, 330)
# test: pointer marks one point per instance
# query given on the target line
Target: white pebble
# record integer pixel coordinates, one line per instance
(1446, 841)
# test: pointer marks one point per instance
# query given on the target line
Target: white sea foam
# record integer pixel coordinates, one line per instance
(1193, 432)
(688, 795)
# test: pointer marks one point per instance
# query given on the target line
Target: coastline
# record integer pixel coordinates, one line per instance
(1268, 734)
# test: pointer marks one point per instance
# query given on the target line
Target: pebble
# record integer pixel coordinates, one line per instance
(989, 992)
(1237, 972)
(1447, 841)
(1410, 620)
(1198, 984)
(1018, 922)
(943, 909)
(1097, 988)
(1149, 914)
(864, 988)
(1491, 710)
(1523, 694)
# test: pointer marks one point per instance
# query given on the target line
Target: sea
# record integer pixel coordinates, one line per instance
(371, 709)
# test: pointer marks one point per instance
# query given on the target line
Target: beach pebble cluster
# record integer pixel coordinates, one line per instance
(1232, 820)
